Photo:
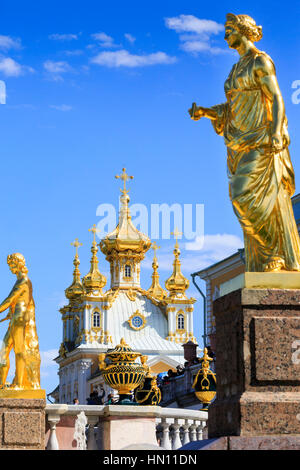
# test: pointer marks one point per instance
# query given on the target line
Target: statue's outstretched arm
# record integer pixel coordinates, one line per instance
(217, 114)
(197, 112)
(13, 296)
(266, 77)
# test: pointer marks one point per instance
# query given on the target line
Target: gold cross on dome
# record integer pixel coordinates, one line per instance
(94, 230)
(155, 247)
(76, 243)
(176, 234)
(123, 176)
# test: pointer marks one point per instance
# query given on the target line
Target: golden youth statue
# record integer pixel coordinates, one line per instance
(261, 176)
(20, 336)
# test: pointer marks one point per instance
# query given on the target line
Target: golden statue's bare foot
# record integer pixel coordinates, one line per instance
(275, 265)
(17, 387)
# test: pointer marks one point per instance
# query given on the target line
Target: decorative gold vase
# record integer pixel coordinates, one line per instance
(205, 382)
(122, 373)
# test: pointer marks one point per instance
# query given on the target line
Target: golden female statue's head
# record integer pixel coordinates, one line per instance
(245, 25)
(16, 262)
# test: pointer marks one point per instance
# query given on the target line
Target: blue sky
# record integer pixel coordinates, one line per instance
(95, 86)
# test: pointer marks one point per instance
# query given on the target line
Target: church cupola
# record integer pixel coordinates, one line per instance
(75, 290)
(177, 284)
(94, 281)
(156, 290)
(126, 246)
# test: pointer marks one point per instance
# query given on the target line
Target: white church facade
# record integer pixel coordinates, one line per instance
(155, 322)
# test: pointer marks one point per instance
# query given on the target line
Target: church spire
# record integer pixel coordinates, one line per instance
(94, 280)
(76, 289)
(177, 283)
(125, 246)
(156, 290)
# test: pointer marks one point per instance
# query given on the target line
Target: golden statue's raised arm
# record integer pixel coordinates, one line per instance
(261, 176)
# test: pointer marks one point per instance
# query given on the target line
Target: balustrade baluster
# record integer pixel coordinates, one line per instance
(186, 433)
(176, 442)
(53, 420)
(193, 432)
(200, 426)
(165, 442)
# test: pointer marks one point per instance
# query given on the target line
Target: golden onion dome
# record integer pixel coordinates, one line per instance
(125, 237)
(155, 289)
(94, 280)
(177, 283)
(76, 289)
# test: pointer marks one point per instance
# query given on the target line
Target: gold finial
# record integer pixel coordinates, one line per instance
(155, 247)
(77, 244)
(176, 234)
(125, 178)
(94, 230)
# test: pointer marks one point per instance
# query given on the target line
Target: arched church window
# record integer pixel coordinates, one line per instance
(127, 270)
(180, 322)
(96, 320)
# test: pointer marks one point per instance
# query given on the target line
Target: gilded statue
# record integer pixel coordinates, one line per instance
(261, 176)
(21, 335)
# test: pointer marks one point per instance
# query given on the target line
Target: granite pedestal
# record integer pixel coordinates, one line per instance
(257, 367)
(22, 423)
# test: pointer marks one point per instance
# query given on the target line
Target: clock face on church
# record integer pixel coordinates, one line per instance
(137, 321)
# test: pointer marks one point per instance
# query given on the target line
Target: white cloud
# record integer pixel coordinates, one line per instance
(192, 24)
(61, 107)
(10, 68)
(213, 242)
(201, 46)
(47, 358)
(198, 32)
(123, 58)
(197, 255)
(104, 40)
(130, 38)
(55, 69)
(75, 52)
(7, 42)
(215, 248)
(63, 37)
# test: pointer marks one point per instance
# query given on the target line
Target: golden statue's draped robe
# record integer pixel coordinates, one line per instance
(260, 182)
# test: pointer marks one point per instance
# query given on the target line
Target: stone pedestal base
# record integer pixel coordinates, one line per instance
(122, 426)
(22, 423)
(257, 364)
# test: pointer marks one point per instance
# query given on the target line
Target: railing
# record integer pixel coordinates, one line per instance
(179, 389)
(174, 427)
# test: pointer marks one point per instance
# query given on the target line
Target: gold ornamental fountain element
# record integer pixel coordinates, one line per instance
(122, 372)
(148, 392)
(205, 382)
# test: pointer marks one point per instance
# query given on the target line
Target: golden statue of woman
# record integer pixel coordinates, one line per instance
(21, 334)
(261, 175)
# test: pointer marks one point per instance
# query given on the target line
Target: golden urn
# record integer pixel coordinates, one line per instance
(205, 382)
(122, 372)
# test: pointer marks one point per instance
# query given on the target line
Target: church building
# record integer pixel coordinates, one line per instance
(154, 321)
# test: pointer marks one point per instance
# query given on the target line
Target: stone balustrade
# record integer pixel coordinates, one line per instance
(114, 427)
